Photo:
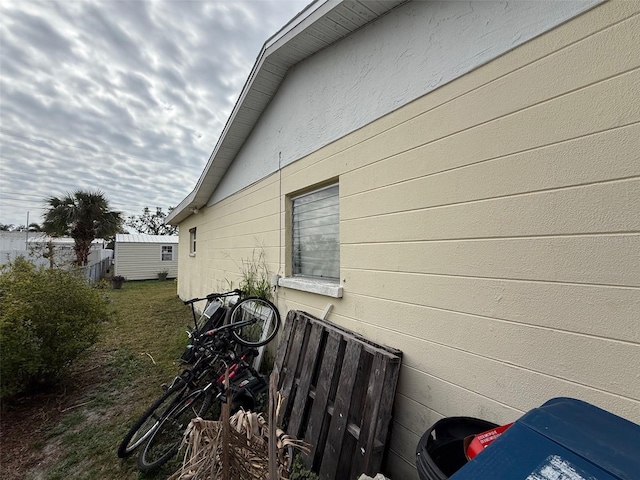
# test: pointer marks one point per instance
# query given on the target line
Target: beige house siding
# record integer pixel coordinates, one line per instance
(490, 230)
(226, 234)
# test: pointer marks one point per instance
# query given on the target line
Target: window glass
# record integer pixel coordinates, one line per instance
(167, 253)
(316, 234)
(192, 241)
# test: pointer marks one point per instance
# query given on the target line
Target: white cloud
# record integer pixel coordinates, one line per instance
(128, 97)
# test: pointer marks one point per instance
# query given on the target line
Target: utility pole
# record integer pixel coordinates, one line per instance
(26, 242)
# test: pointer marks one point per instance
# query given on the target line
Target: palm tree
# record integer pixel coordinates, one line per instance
(84, 216)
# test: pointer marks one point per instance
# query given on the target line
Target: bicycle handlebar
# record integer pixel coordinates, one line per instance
(213, 296)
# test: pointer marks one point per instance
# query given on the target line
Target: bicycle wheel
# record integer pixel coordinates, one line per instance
(166, 439)
(264, 321)
(147, 423)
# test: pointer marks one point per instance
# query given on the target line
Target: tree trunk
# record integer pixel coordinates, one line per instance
(82, 252)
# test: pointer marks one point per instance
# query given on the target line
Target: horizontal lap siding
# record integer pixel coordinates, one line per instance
(228, 233)
(142, 261)
(490, 231)
(597, 208)
(593, 259)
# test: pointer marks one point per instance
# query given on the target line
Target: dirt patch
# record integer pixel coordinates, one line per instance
(26, 420)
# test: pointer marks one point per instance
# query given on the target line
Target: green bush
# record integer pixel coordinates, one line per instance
(47, 318)
(255, 280)
(299, 471)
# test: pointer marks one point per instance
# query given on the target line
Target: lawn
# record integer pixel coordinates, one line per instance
(73, 431)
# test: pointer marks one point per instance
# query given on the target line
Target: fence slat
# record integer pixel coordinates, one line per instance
(286, 339)
(383, 422)
(320, 402)
(308, 367)
(329, 372)
(288, 375)
(371, 408)
(341, 408)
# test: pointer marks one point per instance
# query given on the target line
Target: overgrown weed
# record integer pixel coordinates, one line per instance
(121, 376)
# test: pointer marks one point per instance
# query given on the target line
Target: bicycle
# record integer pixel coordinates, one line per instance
(245, 385)
(196, 354)
(264, 318)
(261, 330)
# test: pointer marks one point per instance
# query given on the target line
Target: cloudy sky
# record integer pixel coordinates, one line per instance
(127, 97)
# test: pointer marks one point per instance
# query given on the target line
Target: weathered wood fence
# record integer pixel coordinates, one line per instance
(338, 392)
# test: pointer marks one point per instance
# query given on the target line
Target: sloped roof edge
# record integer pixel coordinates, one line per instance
(144, 238)
(320, 24)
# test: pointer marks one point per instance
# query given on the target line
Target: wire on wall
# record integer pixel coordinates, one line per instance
(280, 212)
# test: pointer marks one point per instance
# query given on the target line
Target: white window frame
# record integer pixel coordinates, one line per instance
(192, 241)
(322, 285)
(162, 253)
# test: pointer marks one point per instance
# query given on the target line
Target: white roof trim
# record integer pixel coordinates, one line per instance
(144, 238)
(319, 25)
(41, 238)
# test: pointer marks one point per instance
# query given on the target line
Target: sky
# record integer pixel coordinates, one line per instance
(125, 97)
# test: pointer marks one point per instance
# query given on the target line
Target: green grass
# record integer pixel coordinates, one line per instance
(138, 351)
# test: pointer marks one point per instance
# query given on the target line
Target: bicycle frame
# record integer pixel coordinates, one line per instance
(214, 302)
(214, 314)
(209, 349)
(174, 421)
(191, 376)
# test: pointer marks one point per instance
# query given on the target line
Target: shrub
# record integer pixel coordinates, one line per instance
(299, 471)
(47, 318)
(255, 276)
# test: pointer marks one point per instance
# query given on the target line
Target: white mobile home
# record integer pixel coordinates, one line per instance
(142, 257)
(38, 246)
(473, 170)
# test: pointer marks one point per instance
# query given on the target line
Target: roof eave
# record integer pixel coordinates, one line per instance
(319, 25)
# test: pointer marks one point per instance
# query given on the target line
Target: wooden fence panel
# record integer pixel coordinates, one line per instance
(339, 389)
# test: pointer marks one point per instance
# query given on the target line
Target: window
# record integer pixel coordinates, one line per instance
(192, 241)
(167, 253)
(316, 234)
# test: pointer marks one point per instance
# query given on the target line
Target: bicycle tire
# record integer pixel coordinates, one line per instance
(150, 419)
(165, 441)
(266, 321)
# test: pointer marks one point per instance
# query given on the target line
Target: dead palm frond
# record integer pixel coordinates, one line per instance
(248, 449)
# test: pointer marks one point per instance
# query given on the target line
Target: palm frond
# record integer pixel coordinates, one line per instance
(248, 449)
(82, 215)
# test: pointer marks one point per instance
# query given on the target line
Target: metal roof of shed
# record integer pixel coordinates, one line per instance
(320, 24)
(40, 238)
(141, 238)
